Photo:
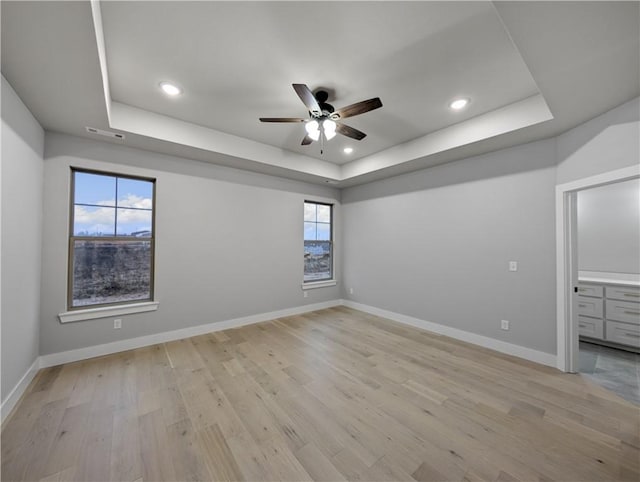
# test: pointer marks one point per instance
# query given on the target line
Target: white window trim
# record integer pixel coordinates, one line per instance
(319, 284)
(107, 311)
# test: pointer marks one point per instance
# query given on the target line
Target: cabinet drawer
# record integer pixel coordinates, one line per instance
(590, 290)
(590, 306)
(591, 327)
(623, 311)
(624, 333)
(624, 293)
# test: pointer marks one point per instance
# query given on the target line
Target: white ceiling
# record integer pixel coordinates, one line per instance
(532, 70)
(347, 51)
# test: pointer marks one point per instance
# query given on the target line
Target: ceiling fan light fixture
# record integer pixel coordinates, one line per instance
(459, 104)
(170, 89)
(313, 129)
(329, 128)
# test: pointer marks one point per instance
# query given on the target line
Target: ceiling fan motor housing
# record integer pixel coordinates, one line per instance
(322, 96)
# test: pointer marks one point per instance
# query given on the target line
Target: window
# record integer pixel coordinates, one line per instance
(111, 242)
(318, 245)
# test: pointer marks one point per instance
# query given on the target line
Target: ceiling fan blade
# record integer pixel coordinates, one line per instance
(345, 130)
(308, 99)
(306, 141)
(357, 108)
(281, 119)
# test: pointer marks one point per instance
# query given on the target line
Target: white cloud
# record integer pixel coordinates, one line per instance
(129, 216)
(106, 215)
(309, 212)
(128, 201)
(133, 201)
(84, 215)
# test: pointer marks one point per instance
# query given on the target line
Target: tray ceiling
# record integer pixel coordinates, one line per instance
(236, 61)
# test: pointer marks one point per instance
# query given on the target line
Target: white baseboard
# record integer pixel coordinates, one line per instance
(54, 359)
(484, 341)
(15, 394)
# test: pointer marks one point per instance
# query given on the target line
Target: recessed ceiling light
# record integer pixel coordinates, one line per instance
(459, 104)
(170, 89)
(348, 150)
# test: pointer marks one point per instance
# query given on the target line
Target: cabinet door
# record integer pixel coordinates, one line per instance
(623, 293)
(624, 333)
(590, 307)
(590, 290)
(623, 311)
(591, 327)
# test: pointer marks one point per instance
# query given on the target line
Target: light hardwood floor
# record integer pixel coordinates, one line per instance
(331, 395)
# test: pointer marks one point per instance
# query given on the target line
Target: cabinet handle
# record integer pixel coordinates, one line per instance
(582, 305)
(635, 295)
(582, 325)
(632, 335)
(629, 312)
(582, 290)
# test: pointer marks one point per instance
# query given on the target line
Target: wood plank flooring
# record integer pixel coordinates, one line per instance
(331, 395)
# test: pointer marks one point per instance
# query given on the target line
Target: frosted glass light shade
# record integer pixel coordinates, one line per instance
(329, 129)
(312, 128)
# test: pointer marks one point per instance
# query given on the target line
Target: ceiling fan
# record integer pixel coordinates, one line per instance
(323, 118)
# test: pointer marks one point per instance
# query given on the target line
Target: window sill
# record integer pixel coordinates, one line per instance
(106, 311)
(318, 284)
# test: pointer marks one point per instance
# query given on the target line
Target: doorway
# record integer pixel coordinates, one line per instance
(567, 279)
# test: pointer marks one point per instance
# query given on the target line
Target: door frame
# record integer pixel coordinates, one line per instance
(566, 260)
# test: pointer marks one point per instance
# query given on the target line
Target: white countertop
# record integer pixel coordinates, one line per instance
(627, 279)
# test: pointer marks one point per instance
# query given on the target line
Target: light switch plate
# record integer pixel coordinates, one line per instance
(513, 266)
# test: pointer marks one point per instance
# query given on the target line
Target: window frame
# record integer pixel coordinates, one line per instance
(115, 237)
(323, 281)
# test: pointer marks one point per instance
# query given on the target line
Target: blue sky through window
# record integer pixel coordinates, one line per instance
(95, 189)
(96, 209)
(317, 222)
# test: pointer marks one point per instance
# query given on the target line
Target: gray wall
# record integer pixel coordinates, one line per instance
(21, 173)
(609, 228)
(229, 243)
(608, 142)
(436, 244)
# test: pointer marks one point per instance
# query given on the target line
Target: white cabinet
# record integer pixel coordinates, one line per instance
(623, 311)
(590, 290)
(624, 293)
(623, 333)
(591, 327)
(590, 307)
(609, 312)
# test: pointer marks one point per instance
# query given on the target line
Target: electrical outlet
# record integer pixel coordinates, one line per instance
(350, 291)
(513, 266)
(117, 323)
(305, 294)
(504, 325)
